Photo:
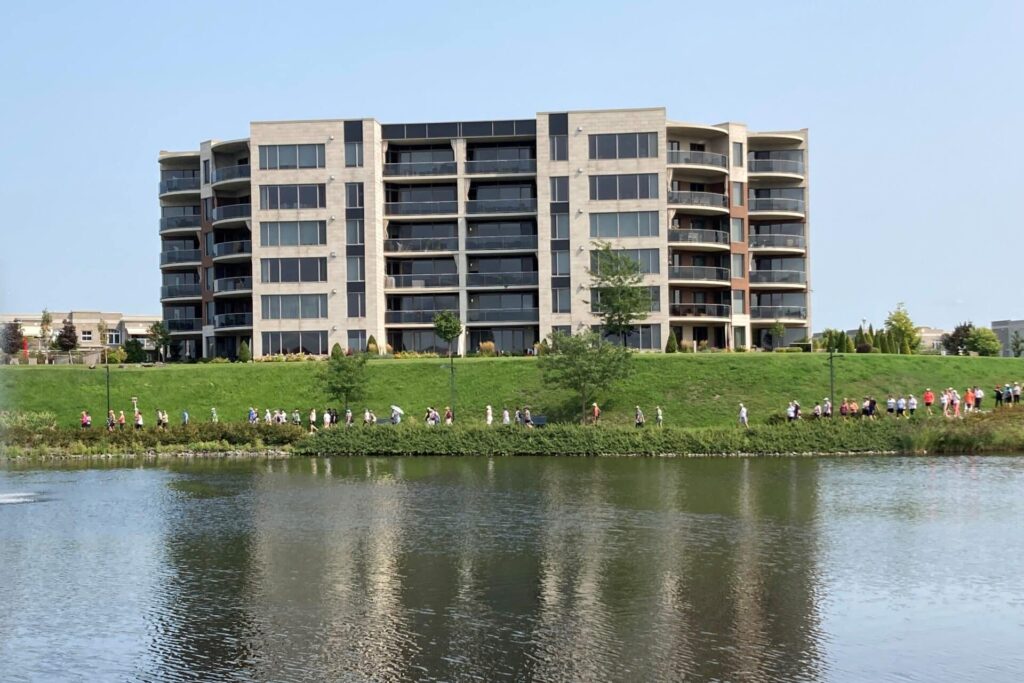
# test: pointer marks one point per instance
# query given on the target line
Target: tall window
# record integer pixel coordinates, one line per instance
(293, 306)
(739, 302)
(559, 147)
(206, 171)
(736, 229)
(560, 188)
(353, 154)
(293, 269)
(737, 154)
(625, 224)
(292, 233)
(624, 146)
(356, 305)
(354, 233)
(561, 301)
(737, 265)
(559, 263)
(627, 186)
(737, 194)
(293, 196)
(353, 195)
(559, 226)
(647, 259)
(356, 268)
(292, 156)
(357, 340)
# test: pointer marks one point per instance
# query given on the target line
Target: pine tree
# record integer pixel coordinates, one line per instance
(672, 346)
(849, 348)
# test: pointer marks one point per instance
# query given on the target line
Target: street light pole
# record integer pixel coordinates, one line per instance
(108, 387)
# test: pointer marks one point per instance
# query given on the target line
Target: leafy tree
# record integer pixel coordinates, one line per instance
(336, 351)
(869, 337)
(585, 364)
(778, 334)
(447, 326)
(1017, 344)
(67, 338)
(244, 353)
(133, 351)
(344, 378)
(984, 342)
(372, 347)
(101, 332)
(900, 328)
(672, 346)
(956, 339)
(849, 346)
(161, 337)
(45, 329)
(622, 298)
(116, 356)
(12, 338)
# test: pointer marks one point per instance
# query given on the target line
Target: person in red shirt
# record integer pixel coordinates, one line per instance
(929, 399)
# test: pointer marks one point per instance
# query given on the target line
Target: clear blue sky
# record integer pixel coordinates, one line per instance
(914, 109)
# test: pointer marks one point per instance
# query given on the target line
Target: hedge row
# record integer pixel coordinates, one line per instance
(232, 433)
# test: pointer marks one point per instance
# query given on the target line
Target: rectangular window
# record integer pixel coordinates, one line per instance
(641, 337)
(209, 278)
(292, 233)
(625, 224)
(737, 194)
(647, 259)
(309, 342)
(293, 196)
(209, 243)
(293, 270)
(737, 154)
(739, 302)
(273, 157)
(353, 154)
(114, 337)
(737, 265)
(356, 305)
(736, 229)
(206, 171)
(562, 329)
(739, 337)
(624, 146)
(627, 186)
(86, 335)
(353, 195)
(559, 147)
(559, 263)
(354, 232)
(293, 306)
(357, 340)
(356, 269)
(559, 226)
(560, 188)
(653, 292)
(561, 300)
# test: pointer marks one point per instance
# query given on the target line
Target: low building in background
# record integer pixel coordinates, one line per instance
(931, 338)
(1004, 329)
(119, 329)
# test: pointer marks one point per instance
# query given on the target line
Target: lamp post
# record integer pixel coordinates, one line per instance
(107, 365)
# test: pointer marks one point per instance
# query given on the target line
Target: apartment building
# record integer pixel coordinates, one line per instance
(1005, 330)
(96, 330)
(311, 233)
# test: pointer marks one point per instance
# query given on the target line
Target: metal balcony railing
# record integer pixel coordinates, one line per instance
(420, 208)
(502, 166)
(501, 279)
(778, 312)
(232, 284)
(416, 244)
(699, 310)
(710, 273)
(231, 173)
(232, 320)
(713, 200)
(777, 242)
(499, 243)
(177, 256)
(239, 247)
(191, 290)
(476, 206)
(423, 317)
(422, 280)
(179, 185)
(495, 315)
(772, 204)
(230, 212)
(776, 166)
(782, 277)
(699, 237)
(685, 156)
(179, 223)
(420, 168)
(184, 325)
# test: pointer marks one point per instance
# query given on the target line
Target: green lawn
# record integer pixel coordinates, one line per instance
(693, 389)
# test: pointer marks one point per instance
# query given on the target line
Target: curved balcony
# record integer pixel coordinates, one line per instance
(703, 161)
(777, 278)
(771, 207)
(186, 291)
(230, 213)
(501, 166)
(778, 242)
(492, 206)
(423, 317)
(421, 208)
(179, 225)
(502, 315)
(418, 245)
(232, 320)
(699, 240)
(502, 243)
(407, 169)
(175, 185)
(226, 175)
(232, 285)
(700, 274)
(520, 279)
(700, 202)
(180, 258)
(699, 310)
(240, 250)
(446, 280)
(773, 313)
(776, 167)
(184, 325)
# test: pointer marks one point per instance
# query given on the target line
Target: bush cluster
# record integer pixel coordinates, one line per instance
(98, 440)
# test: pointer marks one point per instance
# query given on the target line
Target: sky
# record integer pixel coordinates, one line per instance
(913, 110)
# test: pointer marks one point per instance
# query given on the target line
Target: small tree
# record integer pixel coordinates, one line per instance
(778, 333)
(67, 338)
(618, 285)
(161, 337)
(244, 354)
(372, 347)
(116, 356)
(101, 332)
(869, 336)
(1017, 344)
(957, 339)
(849, 346)
(133, 351)
(344, 378)
(585, 364)
(672, 346)
(859, 338)
(12, 338)
(45, 329)
(984, 342)
(447, 326)
(337, 351)
(900, 328)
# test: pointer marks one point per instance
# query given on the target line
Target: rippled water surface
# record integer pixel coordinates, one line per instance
(530, 569)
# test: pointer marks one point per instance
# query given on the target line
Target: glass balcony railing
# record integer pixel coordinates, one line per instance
(501, 279)
(789, 166)
(712, 200)
(779, 277)
(710, 273)
(237, 248)
(231, 212)
(423, 280)
(191, 290)
(420, 168)
(416, 244)
(232, 284)
(232, 320)
(699, 310)
(179, 185)
(424, 317)
(778, 312)
(184, 325)
(501, 206)
(231, 173)
(774, 204)
(502, 166)
(499, 243)
(420, 208)
(777, 242)
(179, 223)
(498, 315)
(176, 256)
(699, 237)
(685, 156)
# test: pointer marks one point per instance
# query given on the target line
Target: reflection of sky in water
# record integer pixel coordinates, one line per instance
(518, 569)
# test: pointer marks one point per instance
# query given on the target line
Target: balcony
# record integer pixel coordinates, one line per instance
(228, 320)
(239, 250)
(170, 225)
(699, 310)
(502, 315)
(788, 278)
(185, 291)
(700, 274)
(501, 166)
(502, 243)
(700, 239)
(778, 313)
(415, 245)
(520, 279)
(180, 257)
(410, 317)
(447, 280)
(421, 208)
(778, 242)
(700, 202)
(782, 207)
(230, 213)
(233, 285)
(685, 157)
(491, 206)
(227, 174)
(786, 167)
(172, 185)
(184, 325)
(408, 169)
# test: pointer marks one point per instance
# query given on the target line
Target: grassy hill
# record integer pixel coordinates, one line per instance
(693, 389)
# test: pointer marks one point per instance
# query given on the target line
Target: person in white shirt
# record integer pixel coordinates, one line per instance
(791, 412)
(489, 415)
(901, 406)
(505, 419)
(327, 419)
(312, 420)
(659, 417)
(743, 417)
(912, 404)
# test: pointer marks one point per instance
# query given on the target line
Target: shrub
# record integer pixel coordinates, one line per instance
(244, 354)
(788, 349)
(336, 351)
(116, 356)
(672, 345)
(702, 345)
(486, 349)
(864, 348)
(220, 359)
(686, 347)
(371, 346)
(741, 349)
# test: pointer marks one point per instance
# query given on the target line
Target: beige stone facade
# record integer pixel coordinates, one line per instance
(396, 221)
